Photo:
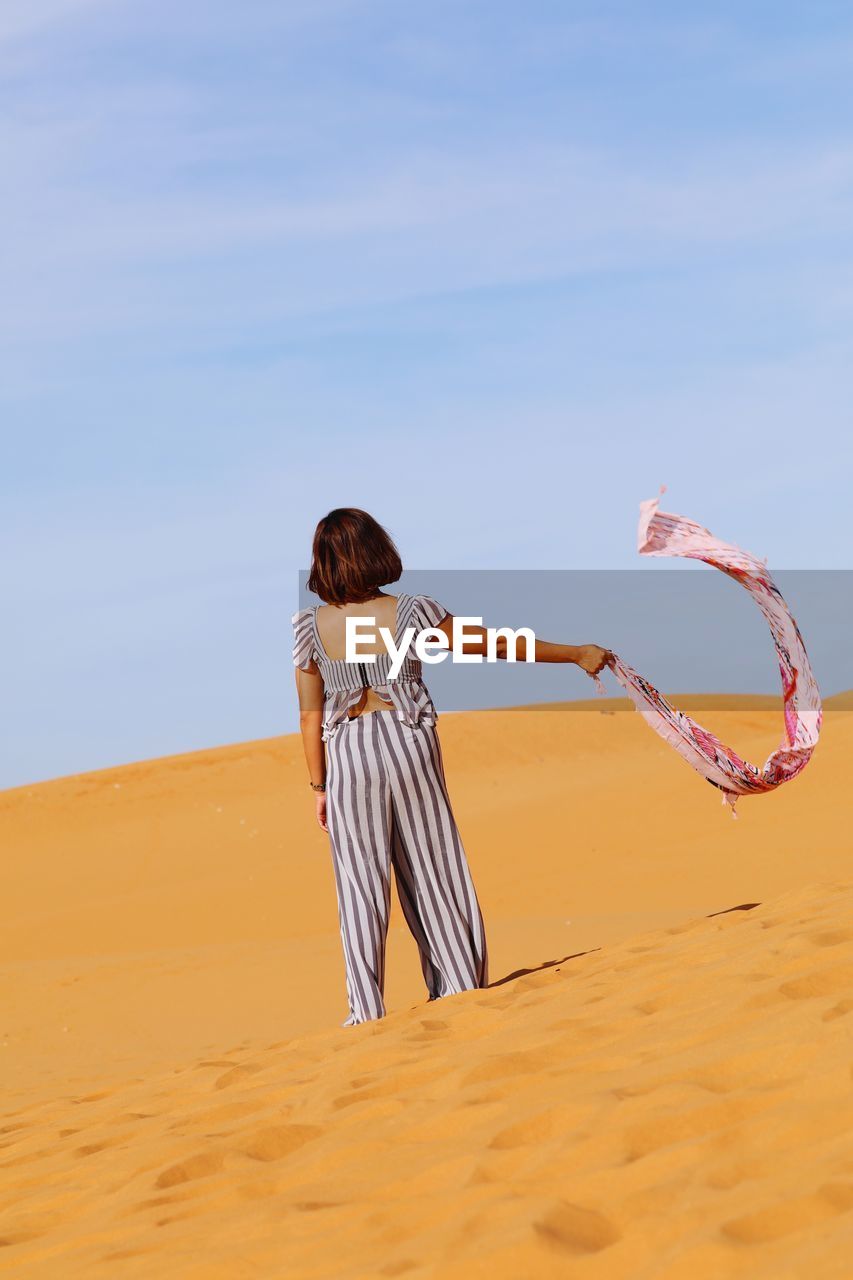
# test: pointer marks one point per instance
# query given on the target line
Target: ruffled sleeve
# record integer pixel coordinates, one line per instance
(429, 611)
(303, 639)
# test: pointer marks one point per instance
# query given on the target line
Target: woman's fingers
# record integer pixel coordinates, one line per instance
(594, 658)
(604, 661)
(604, 658)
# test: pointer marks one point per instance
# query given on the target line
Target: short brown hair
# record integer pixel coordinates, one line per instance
(352, 557)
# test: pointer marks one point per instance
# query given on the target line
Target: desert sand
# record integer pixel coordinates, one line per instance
(656, 1084)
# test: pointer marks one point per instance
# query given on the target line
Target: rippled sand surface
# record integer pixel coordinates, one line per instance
(658, 1082)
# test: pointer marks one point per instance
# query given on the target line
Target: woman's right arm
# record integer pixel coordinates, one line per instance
(309, 689)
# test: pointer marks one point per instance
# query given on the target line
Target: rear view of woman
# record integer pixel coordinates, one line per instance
(375, 765)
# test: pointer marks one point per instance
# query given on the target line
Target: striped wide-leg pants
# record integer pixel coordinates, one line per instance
(387, 803)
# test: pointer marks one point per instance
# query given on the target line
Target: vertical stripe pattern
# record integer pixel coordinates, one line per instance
(387, 805)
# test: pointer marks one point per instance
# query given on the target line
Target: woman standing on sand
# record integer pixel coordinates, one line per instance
(383, 773)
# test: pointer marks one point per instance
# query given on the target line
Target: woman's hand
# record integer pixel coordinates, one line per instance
(320, 808)
(592, 658)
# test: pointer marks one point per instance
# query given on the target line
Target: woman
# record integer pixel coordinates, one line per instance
(379, 779)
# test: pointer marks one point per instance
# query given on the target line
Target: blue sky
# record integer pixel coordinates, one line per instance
(493, 271)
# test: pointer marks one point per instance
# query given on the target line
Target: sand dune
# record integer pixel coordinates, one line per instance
(657, 1084)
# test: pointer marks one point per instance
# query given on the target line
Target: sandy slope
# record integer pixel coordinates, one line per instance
(647, 1089)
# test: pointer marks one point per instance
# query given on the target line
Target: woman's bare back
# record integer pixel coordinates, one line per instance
(331, 626)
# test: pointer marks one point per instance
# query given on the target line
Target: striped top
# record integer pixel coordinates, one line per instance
(344, 682)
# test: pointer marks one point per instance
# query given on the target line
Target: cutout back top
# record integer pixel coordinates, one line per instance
(344, 682)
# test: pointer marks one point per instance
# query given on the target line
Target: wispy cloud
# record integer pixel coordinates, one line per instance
(89, 259)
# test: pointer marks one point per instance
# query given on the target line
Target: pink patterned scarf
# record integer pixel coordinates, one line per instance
(662, 534)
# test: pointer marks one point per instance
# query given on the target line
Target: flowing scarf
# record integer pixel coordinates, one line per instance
(663, 534)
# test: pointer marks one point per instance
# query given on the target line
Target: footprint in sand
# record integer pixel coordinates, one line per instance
(266, 1145)
(155, 1202)
(667, 1130)
(825, 982)
(237, 1074)
(175, 1217)
(432, 1029)
(278, 1141)
(572, 1228)
(357, 1095)
(30, 1226)
(538, 1128)
(831, 937)
(92, 1148)
(779, 1220)
(17, 1237)
(527, 1062)
(387, 1086)
(837, 1010)
(197, 1166)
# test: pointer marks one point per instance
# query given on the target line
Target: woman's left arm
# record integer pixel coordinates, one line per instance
(591, 658)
